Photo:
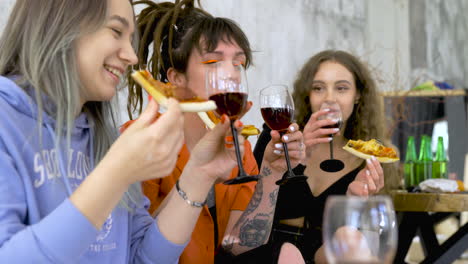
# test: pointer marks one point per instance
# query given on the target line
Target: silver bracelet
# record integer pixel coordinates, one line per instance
(184, 196)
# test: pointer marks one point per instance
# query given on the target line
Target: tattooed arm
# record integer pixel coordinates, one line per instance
(252, 228)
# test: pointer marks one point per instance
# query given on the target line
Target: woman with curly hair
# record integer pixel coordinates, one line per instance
(329, 76)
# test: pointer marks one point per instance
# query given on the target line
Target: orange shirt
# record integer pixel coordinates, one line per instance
(201, 248)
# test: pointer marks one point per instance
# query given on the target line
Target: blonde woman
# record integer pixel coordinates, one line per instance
(63, 170)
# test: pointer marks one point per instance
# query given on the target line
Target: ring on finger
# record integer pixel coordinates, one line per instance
(301, 146)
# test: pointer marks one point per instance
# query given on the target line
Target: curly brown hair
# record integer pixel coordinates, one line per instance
(175, 29)
(367, 119)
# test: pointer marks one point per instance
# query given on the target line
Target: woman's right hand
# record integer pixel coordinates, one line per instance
(314, 133)
(148, 149)
(274, 150)
(214, 155)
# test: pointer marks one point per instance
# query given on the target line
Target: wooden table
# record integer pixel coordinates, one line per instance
(418, 213)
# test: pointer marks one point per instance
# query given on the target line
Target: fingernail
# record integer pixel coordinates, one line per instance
(365, 186)
(229, 139)
(224, 118)
(292, 129)
(150, 97)
(373, 158)
(330, 139)
(240, 123)
(277, 152)
(336, 129)
(368, 172)
(278, 145)
(228, 145)
(368, 161)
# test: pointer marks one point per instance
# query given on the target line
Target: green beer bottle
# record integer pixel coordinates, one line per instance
(409, 169)
(424, 163)
(439, 166)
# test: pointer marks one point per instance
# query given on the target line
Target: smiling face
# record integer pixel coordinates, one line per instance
(193, 80)
(104, 55)
(334, 83)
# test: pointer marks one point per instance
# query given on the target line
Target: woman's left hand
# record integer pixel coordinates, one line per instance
(369, 180)
(274, 153)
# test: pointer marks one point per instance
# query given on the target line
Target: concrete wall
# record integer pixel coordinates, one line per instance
(402, 40)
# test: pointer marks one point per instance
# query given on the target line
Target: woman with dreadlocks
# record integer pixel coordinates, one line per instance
(185, 39)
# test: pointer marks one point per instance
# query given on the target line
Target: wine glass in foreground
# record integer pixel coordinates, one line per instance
(334, 113)
(277, 109)
(226, 85)
(359, 230)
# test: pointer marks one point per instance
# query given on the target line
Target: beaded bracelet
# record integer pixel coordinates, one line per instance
(184, 196)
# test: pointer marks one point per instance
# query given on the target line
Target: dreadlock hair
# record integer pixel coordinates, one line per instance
(174, 30)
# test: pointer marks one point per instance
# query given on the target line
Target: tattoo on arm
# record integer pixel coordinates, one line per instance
(265, 172)
(274, 197)
(256, 198)
(254, 232)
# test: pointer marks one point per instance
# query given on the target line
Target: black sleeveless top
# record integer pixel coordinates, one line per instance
(294, 200)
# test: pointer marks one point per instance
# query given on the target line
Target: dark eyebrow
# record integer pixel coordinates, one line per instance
(319, 82)
(239, 53)
(122, 20)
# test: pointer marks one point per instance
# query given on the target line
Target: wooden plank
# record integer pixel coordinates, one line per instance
(455, 92)
(429, 202)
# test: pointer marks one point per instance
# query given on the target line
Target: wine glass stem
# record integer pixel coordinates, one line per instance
(288, 162)
(331, 148)
(238, 154)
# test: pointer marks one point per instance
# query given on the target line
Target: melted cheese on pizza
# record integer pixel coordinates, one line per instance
(372, 147)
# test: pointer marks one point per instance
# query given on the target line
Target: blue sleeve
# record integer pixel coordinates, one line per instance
(51, 240)
(148, 244)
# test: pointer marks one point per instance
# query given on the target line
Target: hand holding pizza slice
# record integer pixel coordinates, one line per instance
(162, 91)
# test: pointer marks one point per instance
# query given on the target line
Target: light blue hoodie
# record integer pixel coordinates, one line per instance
(38, 223)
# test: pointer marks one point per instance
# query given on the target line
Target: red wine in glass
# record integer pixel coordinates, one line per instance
(332, 164)
(277, 109)
(336, 125)
(230, 103)
(226, 85)
(277, 118)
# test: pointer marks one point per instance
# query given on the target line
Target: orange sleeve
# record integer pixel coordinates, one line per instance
(151, 190)
(246, 190)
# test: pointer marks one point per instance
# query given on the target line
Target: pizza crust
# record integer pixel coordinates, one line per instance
(367, 156)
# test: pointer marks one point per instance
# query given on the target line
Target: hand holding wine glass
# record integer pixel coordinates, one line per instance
(359, 230)
(226, 84)
(277, 109)
(334, 113)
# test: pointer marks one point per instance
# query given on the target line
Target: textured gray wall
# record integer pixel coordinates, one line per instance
(5, 7)
(401, 40)
(285, 34)
(439, 42)
(447, 40)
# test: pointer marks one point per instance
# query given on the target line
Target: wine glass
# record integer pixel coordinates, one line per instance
(277, 109)
(359, 230)
(226, 85)
(334, 113)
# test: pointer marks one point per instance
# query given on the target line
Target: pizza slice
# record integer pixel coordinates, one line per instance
(162, 91)
(366, 149)
(210, 119)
